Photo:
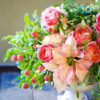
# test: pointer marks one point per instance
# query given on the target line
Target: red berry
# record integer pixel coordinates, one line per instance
(26, 72)
(55, 31)
(47, 78)
(41, 68)
(25, 86)
(50, 29)
(19, 57)
(34, 46)
(34, 34)
(14, 58)
(36, 37)
(33, 80)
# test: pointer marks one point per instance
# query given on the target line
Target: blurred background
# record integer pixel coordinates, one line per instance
(12, 20)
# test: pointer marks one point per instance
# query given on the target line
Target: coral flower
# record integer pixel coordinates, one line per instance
(66, 69)
(82, 34)
(92, 52)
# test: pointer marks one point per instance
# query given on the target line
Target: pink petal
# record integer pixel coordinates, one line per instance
(71, 78)
(68, 74)
(81, 71)
(58, 57)
(72, 46)
(63, 70)
(59, 84)
(51, 66)
(64, 50)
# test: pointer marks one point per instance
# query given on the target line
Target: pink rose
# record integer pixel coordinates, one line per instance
(45, 52)
(50, 17)
(97, 25)
(82, 34)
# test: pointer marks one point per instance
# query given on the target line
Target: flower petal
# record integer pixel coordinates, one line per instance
(59, 84)
(51, 66)
(68, 74)
(58, 57)
(71, 78)
(52, 39)
(81, 71)
(72, 46)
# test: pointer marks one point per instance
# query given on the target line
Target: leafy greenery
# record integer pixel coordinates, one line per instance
(22, 43)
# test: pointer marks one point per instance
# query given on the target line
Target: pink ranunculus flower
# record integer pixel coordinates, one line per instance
(82, 34)
(45, 52)
(54, 39)
(97, 25)
(50, 17)
(63, 72)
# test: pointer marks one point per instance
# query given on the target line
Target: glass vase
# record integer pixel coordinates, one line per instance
(70, 94)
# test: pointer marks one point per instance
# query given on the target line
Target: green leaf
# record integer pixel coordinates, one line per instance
(55, 5)
(94, 96)
(26, 19)
(7, 55)
(60, 25)
(69, 86)
(37, 64)
(35, 14)
(71, 1)
(83, 24)
(18, 78)
(21, 82)
(77, 94)
(29, 82)
(7, 37)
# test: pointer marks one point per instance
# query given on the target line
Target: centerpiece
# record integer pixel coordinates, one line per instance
(61, 48)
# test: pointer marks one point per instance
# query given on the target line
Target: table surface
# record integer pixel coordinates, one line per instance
(9, 90)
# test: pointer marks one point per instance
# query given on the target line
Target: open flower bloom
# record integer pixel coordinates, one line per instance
(50, 17)
(54, 39)
(67, 70)
(82, 34)
(92, 52)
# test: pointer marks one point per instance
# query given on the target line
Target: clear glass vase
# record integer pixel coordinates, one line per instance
(70, 94)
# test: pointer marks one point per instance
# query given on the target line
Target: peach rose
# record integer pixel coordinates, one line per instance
(54, 39)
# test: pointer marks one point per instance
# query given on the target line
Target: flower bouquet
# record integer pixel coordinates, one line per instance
(61, 48)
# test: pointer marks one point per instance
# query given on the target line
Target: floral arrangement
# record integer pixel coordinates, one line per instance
(62, 47)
